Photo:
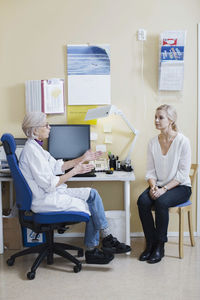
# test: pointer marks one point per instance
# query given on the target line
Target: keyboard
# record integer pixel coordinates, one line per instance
(89, 174)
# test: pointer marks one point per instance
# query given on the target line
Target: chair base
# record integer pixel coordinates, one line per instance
(47, 250)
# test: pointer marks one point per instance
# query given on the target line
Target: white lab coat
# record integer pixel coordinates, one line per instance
(40, 169)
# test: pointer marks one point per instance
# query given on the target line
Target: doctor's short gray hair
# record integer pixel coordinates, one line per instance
(33, 120)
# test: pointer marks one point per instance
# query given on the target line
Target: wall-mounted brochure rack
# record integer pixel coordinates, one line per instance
(45, 95)
(171, 65)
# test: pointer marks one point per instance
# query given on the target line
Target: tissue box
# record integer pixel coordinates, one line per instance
(12, 233)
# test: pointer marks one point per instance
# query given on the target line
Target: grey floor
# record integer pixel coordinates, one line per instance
(124, 278)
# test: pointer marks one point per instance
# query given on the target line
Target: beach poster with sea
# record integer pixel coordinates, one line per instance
(88, 70)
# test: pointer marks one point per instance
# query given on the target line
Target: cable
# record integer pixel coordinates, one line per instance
(142, 75)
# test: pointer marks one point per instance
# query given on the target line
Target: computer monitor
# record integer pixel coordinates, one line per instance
(68, 141)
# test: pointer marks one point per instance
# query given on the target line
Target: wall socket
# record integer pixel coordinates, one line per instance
(141, 35)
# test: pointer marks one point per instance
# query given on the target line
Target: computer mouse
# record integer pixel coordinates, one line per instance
(109, 172)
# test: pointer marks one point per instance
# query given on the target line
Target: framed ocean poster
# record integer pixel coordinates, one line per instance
(88, 70)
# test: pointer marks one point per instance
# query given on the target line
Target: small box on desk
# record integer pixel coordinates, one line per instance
(12, 233)
(30, 238)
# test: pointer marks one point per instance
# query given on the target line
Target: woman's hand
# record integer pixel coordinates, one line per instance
(156, 192)
(152, 191)
(82, 168)
(90, 155)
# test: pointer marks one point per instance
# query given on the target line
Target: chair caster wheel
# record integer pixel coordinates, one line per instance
(80, 253)
(77, 268)
(61, 231)
(31, 275)
(10, 262)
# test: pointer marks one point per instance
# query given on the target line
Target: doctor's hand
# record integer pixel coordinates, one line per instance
(90, 155)
(82, 168)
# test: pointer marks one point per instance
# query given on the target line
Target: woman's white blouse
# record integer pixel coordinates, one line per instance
(41, 172)
(174, 165)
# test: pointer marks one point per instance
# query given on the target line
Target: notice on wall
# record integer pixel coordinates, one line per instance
(171, 67)
(76, 114)
(53, 96)
(88, 70)
(45, 95)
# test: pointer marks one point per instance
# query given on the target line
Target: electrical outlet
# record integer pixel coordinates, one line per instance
(141, 34)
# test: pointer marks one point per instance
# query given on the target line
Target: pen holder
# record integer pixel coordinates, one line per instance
(112, 163)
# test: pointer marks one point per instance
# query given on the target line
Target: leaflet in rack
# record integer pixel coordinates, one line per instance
(171, 67)
(45, 95)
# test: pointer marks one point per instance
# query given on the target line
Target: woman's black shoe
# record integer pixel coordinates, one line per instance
(145, 255)
(157, 254)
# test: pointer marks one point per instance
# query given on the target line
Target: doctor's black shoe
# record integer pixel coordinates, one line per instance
(98, 257)
(112, 245)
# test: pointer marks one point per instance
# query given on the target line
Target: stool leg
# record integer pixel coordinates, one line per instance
(190, 224)
(181, 229)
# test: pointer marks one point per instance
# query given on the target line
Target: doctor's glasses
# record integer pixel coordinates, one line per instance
(46, 125)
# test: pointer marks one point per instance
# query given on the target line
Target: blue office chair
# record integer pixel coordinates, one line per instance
(40, 222)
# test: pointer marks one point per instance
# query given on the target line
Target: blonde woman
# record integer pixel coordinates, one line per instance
(168, 167)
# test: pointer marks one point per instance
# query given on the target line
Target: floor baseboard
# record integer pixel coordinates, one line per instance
(133, 234)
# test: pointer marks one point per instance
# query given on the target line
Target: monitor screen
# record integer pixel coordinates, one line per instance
(68, 141)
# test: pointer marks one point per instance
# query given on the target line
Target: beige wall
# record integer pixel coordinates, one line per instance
(33, 39)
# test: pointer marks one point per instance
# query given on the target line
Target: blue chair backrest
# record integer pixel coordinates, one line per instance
(23, 192)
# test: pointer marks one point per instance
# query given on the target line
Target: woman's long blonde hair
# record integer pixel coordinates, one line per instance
(171, 114)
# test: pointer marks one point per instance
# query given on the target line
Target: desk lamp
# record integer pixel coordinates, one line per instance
(105, 111)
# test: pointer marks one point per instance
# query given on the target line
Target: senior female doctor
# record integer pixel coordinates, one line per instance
(50, 193)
